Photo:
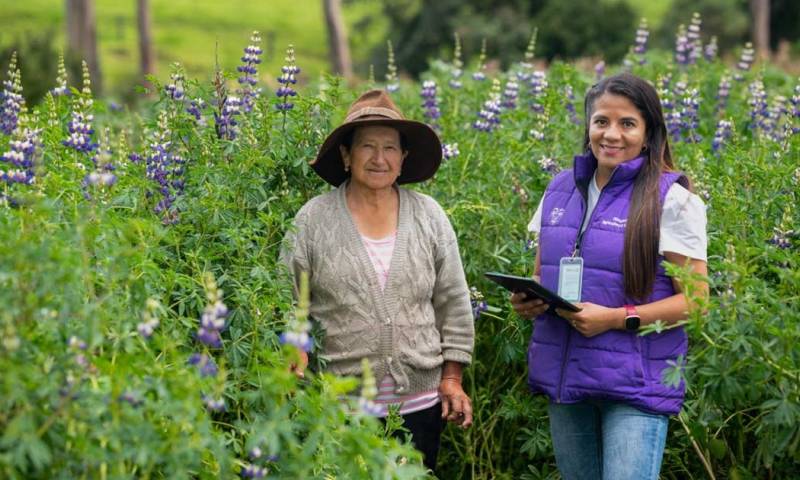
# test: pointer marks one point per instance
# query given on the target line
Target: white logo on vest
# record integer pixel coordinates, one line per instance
(555, 215)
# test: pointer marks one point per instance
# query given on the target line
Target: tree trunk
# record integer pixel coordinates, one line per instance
(146, 59)
(82, 37)
(337, 39)
(759, 9)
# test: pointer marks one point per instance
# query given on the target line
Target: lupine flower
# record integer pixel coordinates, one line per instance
(456, 69)
(745, 61)
(722, 134)
(212, 322)
(369, 390)
(11, 100)
(527, 64)
(723, 92)
(149, 318)
(249, 71)
(76, 344)
(449, 150)
(288, 78)
(225, 121)
(80, 126)
(213, 404)
(253, 471)
(775, 114)
(176, 88)
(640, 46)
(795, 101)
(758, 106)
(536, 134)
(255, 453)
(430, 103)
(549, 165)
(102, 175)
(131, 397)
(478, 303)
(61, 88)
(665, 92)
(165, 166)
(599, 70)
(783, 234)
(695, 45)
(478, 74)
(297, 330)
(689, 121)
(195, 109)
(392, 85)
(682, 46)
(23, 154)
(489, 115)
(510, 95)
(520, 192)
(205, 364)
(710, 52)
(569, 97)
(538, 85)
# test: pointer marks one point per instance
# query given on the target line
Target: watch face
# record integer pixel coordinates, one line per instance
(632, 323)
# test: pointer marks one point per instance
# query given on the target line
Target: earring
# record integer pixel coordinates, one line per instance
(347, 168)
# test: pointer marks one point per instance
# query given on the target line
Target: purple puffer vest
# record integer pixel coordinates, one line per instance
(615, 365)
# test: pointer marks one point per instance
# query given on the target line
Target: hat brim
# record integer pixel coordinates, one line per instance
(422, 143)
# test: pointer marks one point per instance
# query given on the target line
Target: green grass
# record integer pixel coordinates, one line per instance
(190, 31)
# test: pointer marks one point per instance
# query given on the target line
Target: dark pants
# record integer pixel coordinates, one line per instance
(426, 430)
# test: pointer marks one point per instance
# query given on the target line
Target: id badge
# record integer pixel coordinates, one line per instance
(570, 278)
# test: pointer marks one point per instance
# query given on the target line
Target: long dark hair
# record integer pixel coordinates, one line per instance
(644, 214)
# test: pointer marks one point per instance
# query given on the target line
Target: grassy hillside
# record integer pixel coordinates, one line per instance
(191, 31)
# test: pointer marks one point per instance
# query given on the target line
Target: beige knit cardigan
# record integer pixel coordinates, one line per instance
(423, 316)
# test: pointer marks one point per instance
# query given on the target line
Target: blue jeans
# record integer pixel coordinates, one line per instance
(606, 440)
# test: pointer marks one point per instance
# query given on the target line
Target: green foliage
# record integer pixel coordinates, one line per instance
(89, 262)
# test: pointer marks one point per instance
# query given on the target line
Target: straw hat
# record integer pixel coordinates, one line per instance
(376, 108)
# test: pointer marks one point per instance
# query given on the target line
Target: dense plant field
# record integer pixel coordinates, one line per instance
(144, 307)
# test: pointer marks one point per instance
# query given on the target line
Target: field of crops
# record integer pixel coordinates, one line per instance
(143, 304)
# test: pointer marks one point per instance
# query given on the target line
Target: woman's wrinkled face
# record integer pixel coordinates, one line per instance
(617, 130)
(375, 158)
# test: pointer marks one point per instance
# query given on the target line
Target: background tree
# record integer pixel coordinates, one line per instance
(337, 39)
(82, 37)
(146, 58)
(759, 10)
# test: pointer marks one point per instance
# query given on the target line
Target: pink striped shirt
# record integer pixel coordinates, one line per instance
(380, 252)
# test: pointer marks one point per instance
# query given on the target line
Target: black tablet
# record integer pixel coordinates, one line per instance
(532, 288)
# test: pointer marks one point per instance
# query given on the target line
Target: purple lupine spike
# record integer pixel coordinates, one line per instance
(710, 52)
(640, 45)
(457, 68)
(195, 109)
(430, 103)
(392, 84)
(251, 58)
(478, 302)
(549, 165)
(213, 404)
(253, 471)
(80, 126)
(205, 364)
(225, 121)
(11, 100)
(489, 115)
(176, 89)
(569, 103)
(538, 86)
(689, 121)
(25, 149)
(214, 316)
(795, 101)
(599, 70)
(526, 66)
(510, 95)
(722, 134)
(758, 107)
(287, 79)
(682, 46)
(723, 92)
(450, 150)
(773, 120)
(61, 88)
(165, 166)
(694, 44)
(745, 61)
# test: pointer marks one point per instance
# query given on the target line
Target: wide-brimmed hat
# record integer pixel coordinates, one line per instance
(375, 107)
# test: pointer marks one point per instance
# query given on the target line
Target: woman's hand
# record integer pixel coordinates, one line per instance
(593, 319)
(527, 308)
(299, 364)
(456, 405)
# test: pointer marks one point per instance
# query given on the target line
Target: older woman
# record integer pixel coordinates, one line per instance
(384, 269)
